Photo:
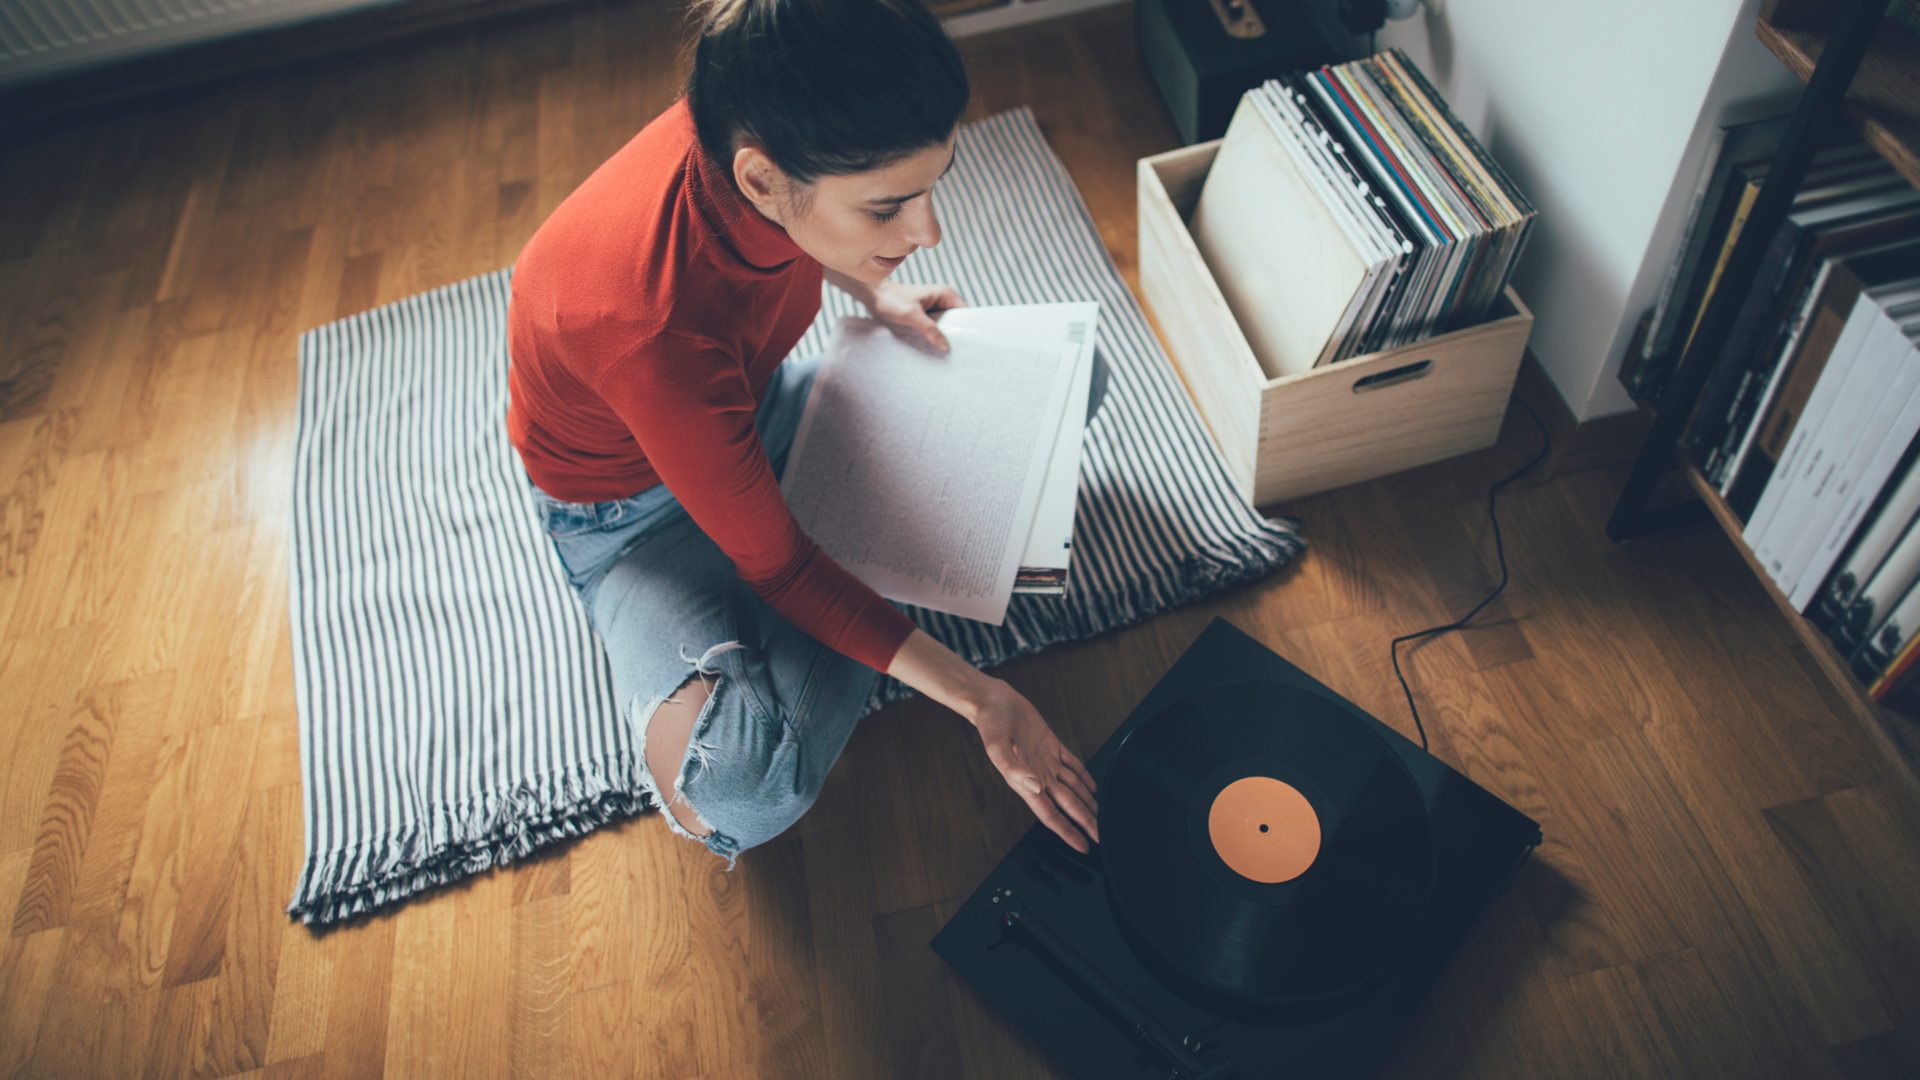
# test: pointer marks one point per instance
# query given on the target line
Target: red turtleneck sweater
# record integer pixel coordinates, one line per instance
(648, 314)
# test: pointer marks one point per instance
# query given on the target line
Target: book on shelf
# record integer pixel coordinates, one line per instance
(1648, 367)
(1894, 681)
(1738, 158)
(1808, 342)
(1891, 580)
(1887, 208)
(1891, 640)
(1835, 610)
(1903, 696)
(1851, 410)
(1860, 457)
(1746, 436)
(1863, 409)
(1349, 211)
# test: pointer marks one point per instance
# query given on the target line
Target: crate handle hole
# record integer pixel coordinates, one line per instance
(1382, 380)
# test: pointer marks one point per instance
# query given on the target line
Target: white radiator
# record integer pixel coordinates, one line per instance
(42, 39)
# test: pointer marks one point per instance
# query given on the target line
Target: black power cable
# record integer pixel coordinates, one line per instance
(1500, 549)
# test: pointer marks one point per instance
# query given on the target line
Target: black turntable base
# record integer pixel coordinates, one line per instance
(1281, 879)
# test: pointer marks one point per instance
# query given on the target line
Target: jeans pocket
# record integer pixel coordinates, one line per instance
(563, 520)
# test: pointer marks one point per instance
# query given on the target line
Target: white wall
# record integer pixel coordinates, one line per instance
(1599, 111)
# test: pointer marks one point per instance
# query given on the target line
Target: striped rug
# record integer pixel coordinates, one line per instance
(456, 710)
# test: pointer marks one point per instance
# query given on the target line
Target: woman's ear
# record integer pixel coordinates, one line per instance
(761, 181)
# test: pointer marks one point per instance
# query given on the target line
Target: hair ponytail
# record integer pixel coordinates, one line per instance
(825, 87)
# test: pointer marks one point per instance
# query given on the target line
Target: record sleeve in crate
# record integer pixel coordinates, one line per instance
(1336, 424)
(1280, 880)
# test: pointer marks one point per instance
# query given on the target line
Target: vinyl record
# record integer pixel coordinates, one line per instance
(1265, 850)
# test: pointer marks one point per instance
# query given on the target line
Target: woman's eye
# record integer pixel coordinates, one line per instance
(884, 216)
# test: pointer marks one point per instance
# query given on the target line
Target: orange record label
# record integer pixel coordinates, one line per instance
(1264, 829)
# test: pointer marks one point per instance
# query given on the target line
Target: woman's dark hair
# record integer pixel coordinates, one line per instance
(825, 87)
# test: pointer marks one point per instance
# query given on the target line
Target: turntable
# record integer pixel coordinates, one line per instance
(1281, 879)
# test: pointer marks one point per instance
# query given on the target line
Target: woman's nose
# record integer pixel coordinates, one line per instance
(923, 228)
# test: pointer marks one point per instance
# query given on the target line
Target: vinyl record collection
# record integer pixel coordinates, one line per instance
(1349, 211)
(1810, 420)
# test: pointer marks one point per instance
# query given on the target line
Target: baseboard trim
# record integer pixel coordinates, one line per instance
(1577, 447)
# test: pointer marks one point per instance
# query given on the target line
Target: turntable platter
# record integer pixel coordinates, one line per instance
(1265, 850)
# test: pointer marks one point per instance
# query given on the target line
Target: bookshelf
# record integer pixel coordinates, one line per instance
(1883, 98)
(1897, 735)
(1866, 70)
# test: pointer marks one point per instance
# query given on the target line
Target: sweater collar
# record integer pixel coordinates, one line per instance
(757, 240)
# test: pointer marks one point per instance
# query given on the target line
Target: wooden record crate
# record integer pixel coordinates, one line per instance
(1332, 426)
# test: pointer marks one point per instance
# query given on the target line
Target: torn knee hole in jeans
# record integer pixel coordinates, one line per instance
(699, 756)
(700, 663)
(701, 668)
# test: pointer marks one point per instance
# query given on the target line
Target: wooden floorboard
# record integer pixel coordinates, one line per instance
(1727, 887)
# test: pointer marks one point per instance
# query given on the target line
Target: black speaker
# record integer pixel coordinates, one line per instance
(1203, 54)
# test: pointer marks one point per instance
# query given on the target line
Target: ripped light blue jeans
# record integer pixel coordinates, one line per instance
(666, 603)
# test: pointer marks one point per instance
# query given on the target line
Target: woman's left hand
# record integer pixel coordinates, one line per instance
(912, 307)
(1047, 776)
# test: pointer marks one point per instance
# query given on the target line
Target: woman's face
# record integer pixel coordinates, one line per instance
(861, 224)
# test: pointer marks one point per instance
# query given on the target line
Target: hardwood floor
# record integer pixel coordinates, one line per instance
(1730, 885)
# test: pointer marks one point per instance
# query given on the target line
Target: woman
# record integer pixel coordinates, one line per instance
(650, 317)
